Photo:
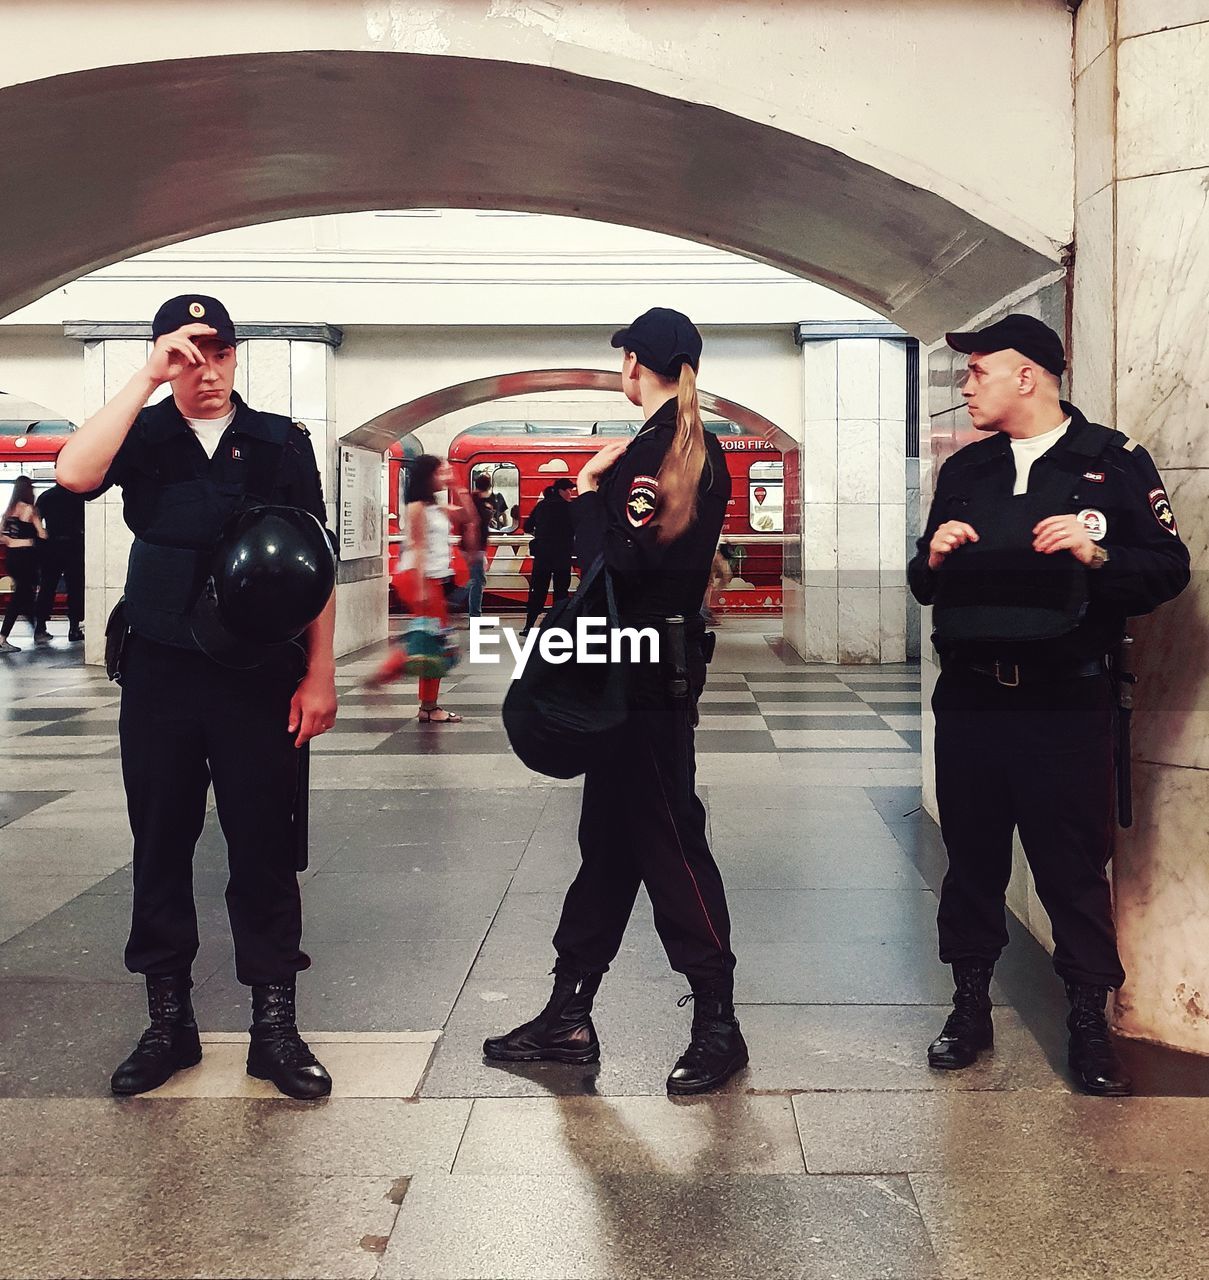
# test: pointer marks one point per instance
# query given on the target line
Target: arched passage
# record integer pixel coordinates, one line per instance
(90, 179)
(382, 431)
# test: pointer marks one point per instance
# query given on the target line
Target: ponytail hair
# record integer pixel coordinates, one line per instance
(680, 474)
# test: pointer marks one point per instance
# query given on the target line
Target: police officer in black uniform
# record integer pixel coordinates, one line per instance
(185, 465)
(1042, 540)
(653, 506)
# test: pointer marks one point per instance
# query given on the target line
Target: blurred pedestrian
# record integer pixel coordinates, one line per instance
(22, 531)
(424, 577)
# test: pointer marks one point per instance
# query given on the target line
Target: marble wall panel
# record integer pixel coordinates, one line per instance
(1095, 28)
(1093, 340)
(1094, 113)
(1162, 284)
(308, 381)
(857, 532)
(793, 603)
(857, 460)
(858, 374)
(1163, 107)
(821, 624)
(820, 371)
(94, 377)
(820, 460)
(123, 359)
(820, 539)
(1171, 716)
(893, 606)
(1135, 17)
(268, 362)
(859, 615)
(94, 621)
(241, 371)
(361, 615)
(892, 462)
(892, 380)
(892, 542)
(1161, 884)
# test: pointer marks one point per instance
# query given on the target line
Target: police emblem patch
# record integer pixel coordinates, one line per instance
(196, 310)
(642, 500)
(1163, 513)
(1094, 522)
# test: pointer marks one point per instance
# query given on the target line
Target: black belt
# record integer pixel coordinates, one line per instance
(1011, 674)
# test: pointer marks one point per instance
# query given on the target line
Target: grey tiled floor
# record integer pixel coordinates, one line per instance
(437, 869)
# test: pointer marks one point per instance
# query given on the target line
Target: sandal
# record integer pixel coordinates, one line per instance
(432, 717)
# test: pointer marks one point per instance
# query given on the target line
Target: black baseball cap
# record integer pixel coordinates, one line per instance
(662, 340)
(1026, 334)
(193, 308)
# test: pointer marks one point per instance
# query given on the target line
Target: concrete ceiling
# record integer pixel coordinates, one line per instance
(103, 164)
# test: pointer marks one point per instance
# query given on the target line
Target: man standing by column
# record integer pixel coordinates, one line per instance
(62, 514)
(185, 466)
(1042, 540)
(552, 548)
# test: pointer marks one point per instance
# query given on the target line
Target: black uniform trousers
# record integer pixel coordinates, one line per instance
(62, 558)
(547, 570)
(1038, 757)
(642, 824)
(186, 721)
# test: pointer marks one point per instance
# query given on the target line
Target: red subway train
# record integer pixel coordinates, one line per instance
(523, 458)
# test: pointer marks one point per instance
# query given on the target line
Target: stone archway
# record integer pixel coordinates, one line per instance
(96, 170)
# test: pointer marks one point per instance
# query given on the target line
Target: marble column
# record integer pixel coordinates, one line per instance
(1141, 281)
(281, 368)
(852, 604)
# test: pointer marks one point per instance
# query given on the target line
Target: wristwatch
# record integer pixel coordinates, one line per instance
(1099, 558)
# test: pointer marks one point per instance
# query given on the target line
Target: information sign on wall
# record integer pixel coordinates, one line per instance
(360, 532)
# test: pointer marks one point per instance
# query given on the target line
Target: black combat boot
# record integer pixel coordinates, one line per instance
(562, 1032)
(1092, 1057)
(169, 1044)
(717, 1048)
(967, 1030)
(277, 1052)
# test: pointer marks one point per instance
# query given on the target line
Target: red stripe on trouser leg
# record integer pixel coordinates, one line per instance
(671, 817)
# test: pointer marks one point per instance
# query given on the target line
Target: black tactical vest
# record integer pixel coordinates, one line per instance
(170, 556)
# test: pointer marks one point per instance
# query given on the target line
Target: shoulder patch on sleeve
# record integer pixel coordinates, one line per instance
(1160, 506)
(641, 500)
(302, 427)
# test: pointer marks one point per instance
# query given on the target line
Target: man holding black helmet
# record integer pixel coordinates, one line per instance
(193, 712)
(1042, 540)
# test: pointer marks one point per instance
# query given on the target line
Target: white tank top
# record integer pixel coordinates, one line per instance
(437, 538)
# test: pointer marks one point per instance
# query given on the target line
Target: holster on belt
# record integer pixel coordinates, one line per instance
(117, 634)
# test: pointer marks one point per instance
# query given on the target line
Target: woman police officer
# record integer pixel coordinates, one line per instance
(654, 507)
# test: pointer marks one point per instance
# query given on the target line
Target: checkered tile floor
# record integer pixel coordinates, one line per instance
(825, 710)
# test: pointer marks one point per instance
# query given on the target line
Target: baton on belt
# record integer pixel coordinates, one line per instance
(678, 654)
(1125, 680)
(302, 809)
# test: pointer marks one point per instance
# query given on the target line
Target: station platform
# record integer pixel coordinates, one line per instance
(437, 870)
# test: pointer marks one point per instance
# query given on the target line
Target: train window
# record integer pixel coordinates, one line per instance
(765, 497)
(505, 493)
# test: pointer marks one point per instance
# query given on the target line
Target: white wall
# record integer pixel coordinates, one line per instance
(377, 369)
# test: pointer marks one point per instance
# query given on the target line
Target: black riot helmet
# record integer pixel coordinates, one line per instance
(272, 572)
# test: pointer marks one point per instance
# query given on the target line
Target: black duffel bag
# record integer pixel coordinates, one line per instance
(563, 718)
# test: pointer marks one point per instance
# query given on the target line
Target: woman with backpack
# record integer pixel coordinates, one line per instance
(653, 508)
